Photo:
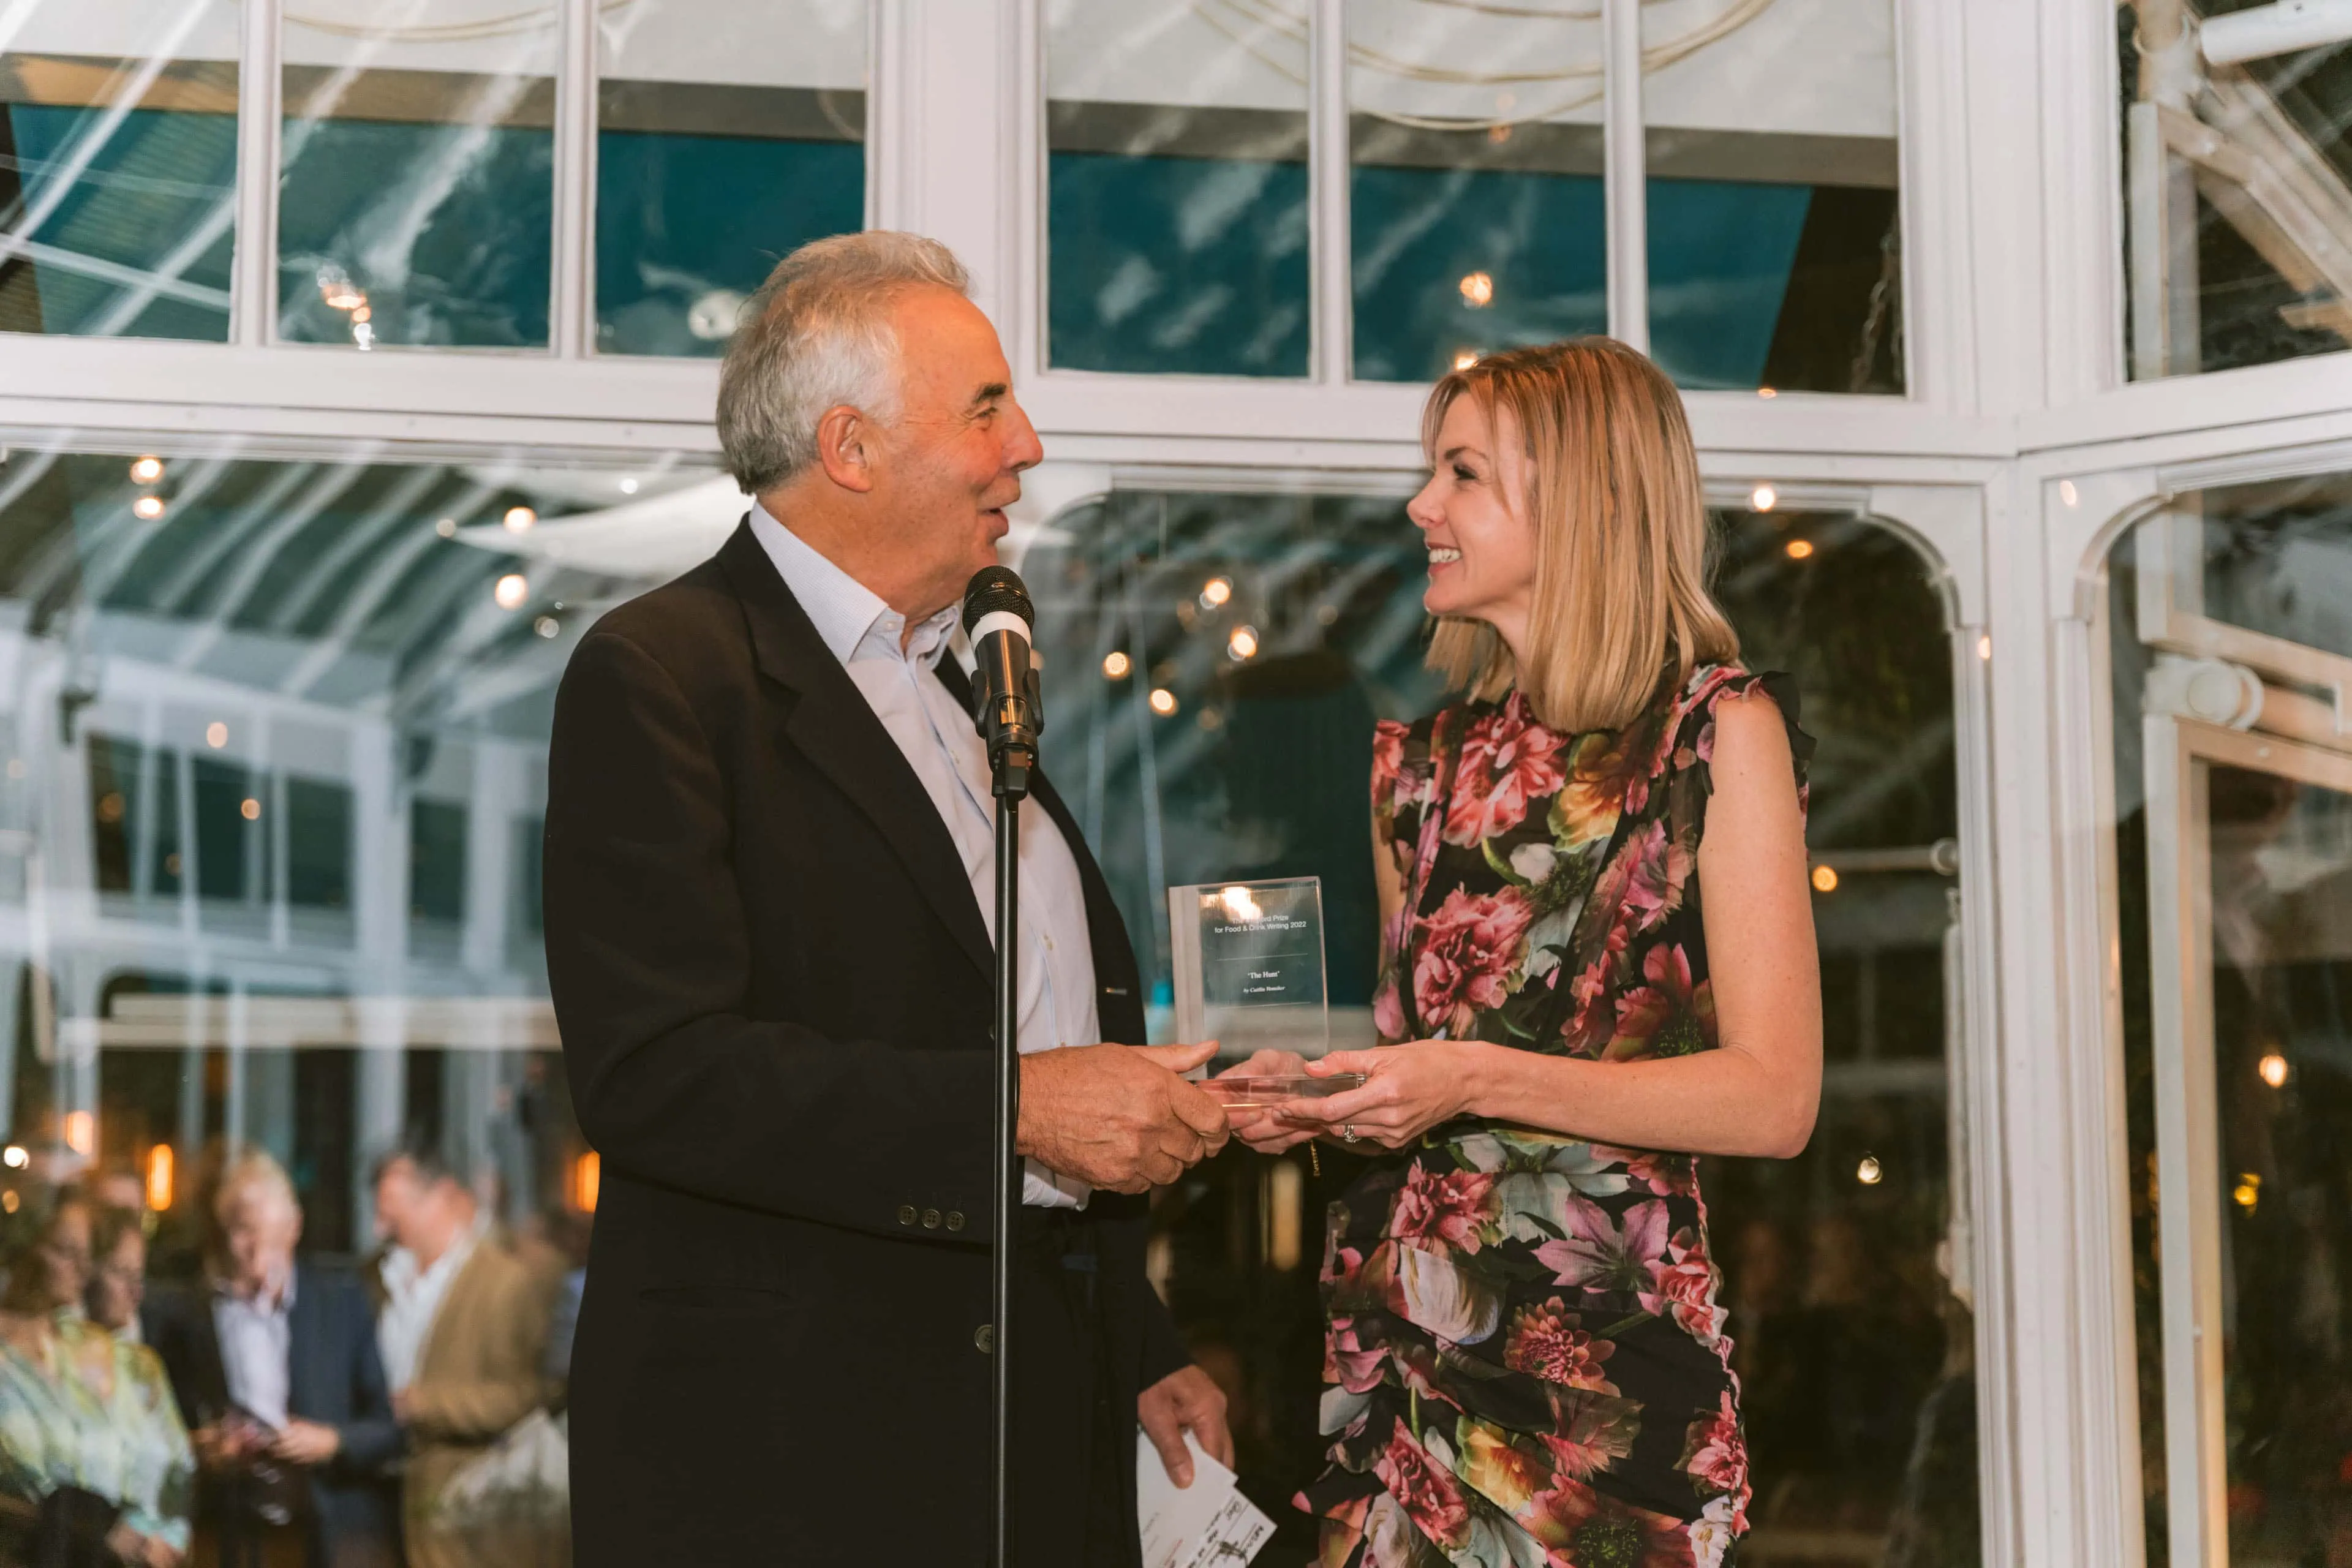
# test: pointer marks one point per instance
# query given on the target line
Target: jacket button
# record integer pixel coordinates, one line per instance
(955, 1219)
(907, 1215)
(930, 1219)
(984, 1336)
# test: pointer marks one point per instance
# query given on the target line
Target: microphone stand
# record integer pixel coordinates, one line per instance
(1011, 767)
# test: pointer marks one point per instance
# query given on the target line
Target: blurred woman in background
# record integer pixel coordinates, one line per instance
(94, 1462)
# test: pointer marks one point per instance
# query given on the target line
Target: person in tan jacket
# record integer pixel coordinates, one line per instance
(463, 1329)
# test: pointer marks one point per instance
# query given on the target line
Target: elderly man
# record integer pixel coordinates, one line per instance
(769, 864)
(274, 1364)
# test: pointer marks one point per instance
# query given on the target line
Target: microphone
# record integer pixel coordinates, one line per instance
(1005, 708)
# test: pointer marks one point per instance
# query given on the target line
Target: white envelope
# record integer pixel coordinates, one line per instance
(1209, 1524)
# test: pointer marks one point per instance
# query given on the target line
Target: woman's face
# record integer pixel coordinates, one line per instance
(1471, 514)
(119, 1282)
(64, 1255)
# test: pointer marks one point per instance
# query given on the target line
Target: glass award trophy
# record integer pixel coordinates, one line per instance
(1248, 961)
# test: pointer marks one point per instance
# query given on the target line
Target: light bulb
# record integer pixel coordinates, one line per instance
(519, 518)
(1242, 644)
(1477, 290)
(146, 471)
(1826, 879)
(1115, 665)
(147, 508)
(2273, 1066)
(216, 734)
(1799, 548)
(512, 590)
(1869, 1172)
(1763, 498)
(1164, 701)
(628, 486)
(1215, 592)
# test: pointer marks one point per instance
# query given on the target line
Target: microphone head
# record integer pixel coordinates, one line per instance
(995, 590)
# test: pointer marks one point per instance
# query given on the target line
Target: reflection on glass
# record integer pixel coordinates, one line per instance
(1775, 227)
(271, 785)
(2237, 184)
(1475, 210)
(1848, 1268)
(117, 167)
(698, 102)
(2277, 557)
(1176, 187)
(416, 175)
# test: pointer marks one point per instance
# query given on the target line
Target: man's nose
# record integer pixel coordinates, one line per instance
(1022, 450)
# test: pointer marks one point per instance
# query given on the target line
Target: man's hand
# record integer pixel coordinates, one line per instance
(1118, 1117)
(307, 1443)
(1186, 1399)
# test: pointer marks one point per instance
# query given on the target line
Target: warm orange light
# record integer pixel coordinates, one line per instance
(1478, 289)
(519, 518)
(147, 470)
(1826, 879)
(1115, 665)
(81, 1131)
(1241, 645)
(147, 508)
(587, 1174)
(1465, 358)
(159, 1177)
(1215, 592)
(1763, 498)
(249, 808)
(1799, 548)
(1164, 701)
(2273, 1066)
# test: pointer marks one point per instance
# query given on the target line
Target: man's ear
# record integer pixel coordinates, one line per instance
(845, 447)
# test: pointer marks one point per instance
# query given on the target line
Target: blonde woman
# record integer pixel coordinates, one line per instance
(1528, 1359)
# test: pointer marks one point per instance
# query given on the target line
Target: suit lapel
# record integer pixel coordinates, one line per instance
(833, 726)
(301, 1385)
(1118, 1000)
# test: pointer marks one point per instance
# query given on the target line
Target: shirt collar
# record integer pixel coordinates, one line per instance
(851, 619)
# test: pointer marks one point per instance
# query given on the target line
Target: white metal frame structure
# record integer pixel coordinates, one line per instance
(2019, 455)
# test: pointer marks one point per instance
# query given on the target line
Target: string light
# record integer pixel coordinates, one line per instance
(447, 528)
(1869, 1172)
(547, 625)
(1766, 393)
(519, 518)
(1826, 879)
(81, 1131)
(1164, 701)
(1116, 665)
(147, 508)
(2248, 1191)
(1763, 498)
(512, 590)
(1465, 358)
(216, 734)
(159, 1177)
(1798, 549)
(249, 809)
(2273, 1067)
(1478, 289)
(15, 1157)
(146, 471)
(1243, 645)
(628, 486)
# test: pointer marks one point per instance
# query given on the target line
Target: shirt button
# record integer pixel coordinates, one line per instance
(907, 1215)
(930, 1219)
(955, 1219)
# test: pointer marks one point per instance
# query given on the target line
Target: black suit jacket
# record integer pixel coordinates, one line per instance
(334, 1377)
(774, 985)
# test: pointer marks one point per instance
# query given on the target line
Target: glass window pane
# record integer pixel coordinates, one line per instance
(117, 167)
(1476, 211)
(2277, 557)
(1176, 188)
(1220, 659)
(1775, 217)
(279, 677)
(416, 196)
(700, 101)
(2237, 189)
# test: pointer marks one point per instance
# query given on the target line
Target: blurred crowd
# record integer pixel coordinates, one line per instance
(261, 1407)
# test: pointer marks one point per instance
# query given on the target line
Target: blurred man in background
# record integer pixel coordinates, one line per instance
(462, 1330)
(273, 1362)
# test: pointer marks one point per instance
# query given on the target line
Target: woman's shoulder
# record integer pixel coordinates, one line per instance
(1696, 707)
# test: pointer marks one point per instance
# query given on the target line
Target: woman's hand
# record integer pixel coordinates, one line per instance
(1256, 1125)
(1412, 1088)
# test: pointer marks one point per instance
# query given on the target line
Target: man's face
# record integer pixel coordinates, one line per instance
(399, 1198)
(258, 1230)
(953, 462)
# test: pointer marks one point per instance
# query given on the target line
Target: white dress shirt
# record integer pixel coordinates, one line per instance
(937, 738)
(257, 1344)
(412, 1301)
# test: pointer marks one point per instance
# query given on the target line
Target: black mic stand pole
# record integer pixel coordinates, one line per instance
(1010, 763)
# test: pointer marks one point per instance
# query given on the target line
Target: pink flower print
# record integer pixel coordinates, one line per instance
(1667, 1017)
(1347, 1362)
(1656, 872)
(1388, 1010)
(1663, 1173)
(1714, 1454)
(1506, 760)
(1548, 1341)
(1587, 1528)
(1448, 1210)
(1426, 1490)
(1682, 1280)
(1598, 1255)
(1388, 760)
(1469, 945)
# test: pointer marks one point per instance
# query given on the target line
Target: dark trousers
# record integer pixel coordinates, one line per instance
(1071, 1452)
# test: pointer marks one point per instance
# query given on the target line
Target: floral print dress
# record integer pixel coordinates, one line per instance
(1527, 1364)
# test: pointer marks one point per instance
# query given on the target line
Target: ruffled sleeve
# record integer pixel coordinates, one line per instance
(1711, 686)
(1402, 778)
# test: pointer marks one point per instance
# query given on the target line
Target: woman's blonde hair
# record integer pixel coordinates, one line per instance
(1612, 493)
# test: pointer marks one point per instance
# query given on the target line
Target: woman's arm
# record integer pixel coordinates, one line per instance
(1756, 1095)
